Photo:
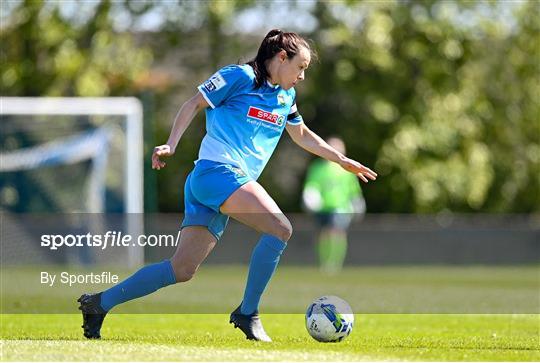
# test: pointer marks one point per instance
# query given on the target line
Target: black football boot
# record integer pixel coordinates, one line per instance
(93, 315)
(250, 324)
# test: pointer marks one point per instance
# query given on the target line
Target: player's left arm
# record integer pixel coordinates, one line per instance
(313, 143)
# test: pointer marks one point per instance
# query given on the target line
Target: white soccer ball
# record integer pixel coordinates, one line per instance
(329, 319)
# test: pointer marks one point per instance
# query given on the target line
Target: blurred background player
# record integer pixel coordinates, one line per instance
(335, 197)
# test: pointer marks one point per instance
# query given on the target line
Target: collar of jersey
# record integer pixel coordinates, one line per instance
(271, 85)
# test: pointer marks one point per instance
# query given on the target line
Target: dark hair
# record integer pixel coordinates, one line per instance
(274, 42)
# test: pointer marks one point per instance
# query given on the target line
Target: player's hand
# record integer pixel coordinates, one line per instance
(161, 151)
(360, 170)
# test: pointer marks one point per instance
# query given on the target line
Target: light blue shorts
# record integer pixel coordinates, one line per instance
(207, 187)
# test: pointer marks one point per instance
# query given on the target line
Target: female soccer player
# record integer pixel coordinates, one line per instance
(247, 108)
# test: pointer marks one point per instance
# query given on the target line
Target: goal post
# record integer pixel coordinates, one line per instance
(76, 146)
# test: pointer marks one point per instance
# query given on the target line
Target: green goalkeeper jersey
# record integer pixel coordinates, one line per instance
(330, 188)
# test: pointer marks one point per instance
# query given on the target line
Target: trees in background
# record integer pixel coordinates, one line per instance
(55, 49)
(442, 99)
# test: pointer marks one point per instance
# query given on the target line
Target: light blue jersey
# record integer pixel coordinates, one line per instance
(244, 123)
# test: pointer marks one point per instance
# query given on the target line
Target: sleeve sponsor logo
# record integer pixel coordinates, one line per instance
(265, 116)
(215, 83)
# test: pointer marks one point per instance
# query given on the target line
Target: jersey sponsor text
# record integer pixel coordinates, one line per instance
(266, 116)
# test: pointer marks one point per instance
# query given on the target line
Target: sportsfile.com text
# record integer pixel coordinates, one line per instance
(108, 239)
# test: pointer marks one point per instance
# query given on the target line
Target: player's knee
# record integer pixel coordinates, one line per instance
(283, 229)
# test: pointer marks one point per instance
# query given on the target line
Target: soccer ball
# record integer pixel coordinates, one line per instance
(329, 319)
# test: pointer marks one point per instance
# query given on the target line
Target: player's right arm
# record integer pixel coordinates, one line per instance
(183, 119)
(310, 141)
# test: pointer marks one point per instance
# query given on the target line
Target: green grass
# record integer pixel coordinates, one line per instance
(505, 325)
(203, 337)
(218, 289)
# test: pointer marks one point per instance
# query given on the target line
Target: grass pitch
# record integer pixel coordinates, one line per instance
(376, 295)
(209, 337)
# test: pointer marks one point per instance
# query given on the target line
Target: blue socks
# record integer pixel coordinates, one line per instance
(264, 260)
(143, 282)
